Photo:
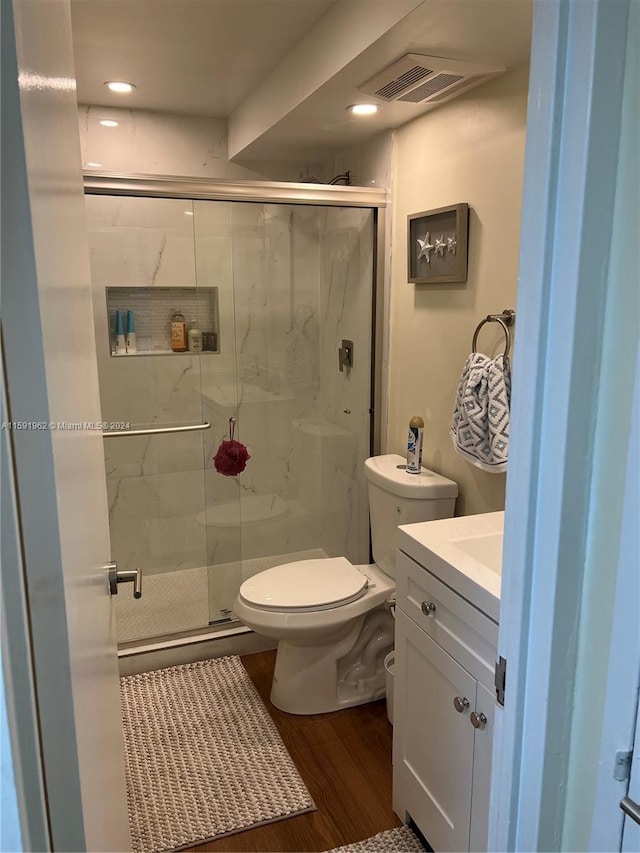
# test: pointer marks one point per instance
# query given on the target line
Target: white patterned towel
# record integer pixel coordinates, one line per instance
(480, 425)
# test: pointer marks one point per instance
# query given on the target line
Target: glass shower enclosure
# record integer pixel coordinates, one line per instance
(275, 277)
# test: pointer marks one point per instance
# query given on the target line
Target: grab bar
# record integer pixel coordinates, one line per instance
(505, 319)
(118, 433)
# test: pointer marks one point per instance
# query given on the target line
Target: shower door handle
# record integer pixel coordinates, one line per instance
(117, 576)
(630, 808)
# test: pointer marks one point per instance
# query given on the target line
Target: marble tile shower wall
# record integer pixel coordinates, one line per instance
(302, 281)
(274, 264)
(346, 269)
(292, 282)
(155, 483)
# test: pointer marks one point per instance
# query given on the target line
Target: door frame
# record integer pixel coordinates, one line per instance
(59, 659)
(26, 820)
(36, 657)
(621, 718)
(576, 84)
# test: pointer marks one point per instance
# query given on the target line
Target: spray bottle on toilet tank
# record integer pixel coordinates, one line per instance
(414, 445)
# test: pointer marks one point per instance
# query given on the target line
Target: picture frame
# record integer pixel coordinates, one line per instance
(437, 243)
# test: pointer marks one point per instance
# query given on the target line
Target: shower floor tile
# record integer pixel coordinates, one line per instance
(171, 602)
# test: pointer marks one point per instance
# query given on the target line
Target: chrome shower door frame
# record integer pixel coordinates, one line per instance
(195, 643)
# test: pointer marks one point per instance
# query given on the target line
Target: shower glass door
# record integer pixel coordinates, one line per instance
(295, 280)
(274, 289)
(143, 261)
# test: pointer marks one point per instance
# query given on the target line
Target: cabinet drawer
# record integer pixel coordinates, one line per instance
(456, 625)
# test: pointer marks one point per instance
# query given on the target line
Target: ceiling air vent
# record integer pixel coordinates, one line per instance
(418, 79)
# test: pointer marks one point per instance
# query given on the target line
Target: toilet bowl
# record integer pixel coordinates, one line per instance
(313, 637)
(331, 618)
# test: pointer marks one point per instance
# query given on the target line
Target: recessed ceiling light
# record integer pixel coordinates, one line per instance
(363, 109)
(120, 86)
(188, 213)
(108, 122)
(93, 165)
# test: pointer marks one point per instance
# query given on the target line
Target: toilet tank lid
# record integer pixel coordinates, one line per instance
(389, 473)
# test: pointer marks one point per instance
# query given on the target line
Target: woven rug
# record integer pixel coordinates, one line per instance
(398, 840)
(203, 757)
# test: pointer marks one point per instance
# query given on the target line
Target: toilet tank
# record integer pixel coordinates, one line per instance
(396, 497)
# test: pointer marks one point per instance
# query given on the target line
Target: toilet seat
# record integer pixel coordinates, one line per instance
(305, 586)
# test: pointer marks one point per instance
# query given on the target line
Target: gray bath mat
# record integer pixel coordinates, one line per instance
(203, 757)
(398, 840)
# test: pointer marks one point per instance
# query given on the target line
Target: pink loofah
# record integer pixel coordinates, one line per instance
(231, 458)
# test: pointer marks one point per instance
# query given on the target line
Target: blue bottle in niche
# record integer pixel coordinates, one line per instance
(131, 334)
(121, 344)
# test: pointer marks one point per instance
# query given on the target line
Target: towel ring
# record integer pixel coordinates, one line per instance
(505, 319)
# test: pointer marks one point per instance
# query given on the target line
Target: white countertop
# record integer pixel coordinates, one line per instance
(464, 553)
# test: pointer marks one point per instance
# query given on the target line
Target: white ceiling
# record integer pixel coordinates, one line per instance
(208, 57)
(199, 57)
(495, 32)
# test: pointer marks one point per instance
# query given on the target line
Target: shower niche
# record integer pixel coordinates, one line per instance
(152, 308)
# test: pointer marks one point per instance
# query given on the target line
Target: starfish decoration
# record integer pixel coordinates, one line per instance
(425, 248)
(451, 244)
(439, 246)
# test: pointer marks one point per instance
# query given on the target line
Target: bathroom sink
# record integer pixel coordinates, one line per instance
(464, 553)
(485, 549)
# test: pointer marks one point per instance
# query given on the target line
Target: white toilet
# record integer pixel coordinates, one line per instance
(329, 616)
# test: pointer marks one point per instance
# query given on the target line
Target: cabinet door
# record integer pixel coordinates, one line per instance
(478, 837)
(433, 743)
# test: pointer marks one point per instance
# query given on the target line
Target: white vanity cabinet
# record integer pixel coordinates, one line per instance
(444, 707)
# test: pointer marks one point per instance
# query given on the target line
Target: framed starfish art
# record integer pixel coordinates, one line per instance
(437, 245)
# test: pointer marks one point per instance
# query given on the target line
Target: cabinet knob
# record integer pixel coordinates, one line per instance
(428, 608)
(461, 703)
(478, 720)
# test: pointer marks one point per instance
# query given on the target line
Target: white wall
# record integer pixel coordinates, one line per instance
(151, 143)
(469, 150)
(369, 163)
(51, 374)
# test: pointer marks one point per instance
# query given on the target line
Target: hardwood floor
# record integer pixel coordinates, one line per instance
(345, 761)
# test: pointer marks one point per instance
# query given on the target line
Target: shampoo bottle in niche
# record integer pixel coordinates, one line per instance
(414, 445)
(121, 345)
(131, 333)
(178, 332)
(194, 338)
